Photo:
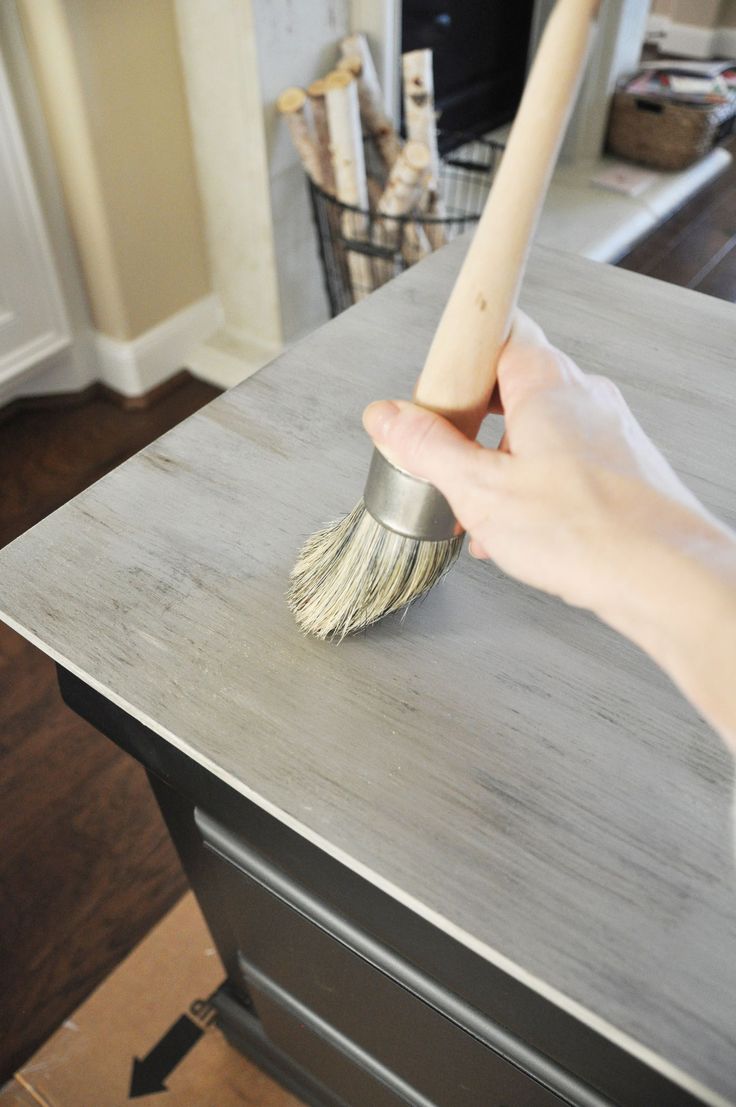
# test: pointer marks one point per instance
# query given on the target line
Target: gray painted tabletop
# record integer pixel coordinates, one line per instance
(508, 767)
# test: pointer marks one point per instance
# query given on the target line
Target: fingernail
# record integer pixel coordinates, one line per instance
(378, 418)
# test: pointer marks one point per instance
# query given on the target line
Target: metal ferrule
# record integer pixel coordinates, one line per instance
(407, 505)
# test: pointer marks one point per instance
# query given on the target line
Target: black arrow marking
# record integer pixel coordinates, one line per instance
(148, 1075)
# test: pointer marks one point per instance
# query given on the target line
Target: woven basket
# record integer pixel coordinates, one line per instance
(665, 134)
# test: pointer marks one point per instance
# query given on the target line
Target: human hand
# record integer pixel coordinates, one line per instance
(579, 502)
(576, 478)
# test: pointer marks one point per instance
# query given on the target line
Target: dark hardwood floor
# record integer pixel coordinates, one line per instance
(696, 247)
(86, 865)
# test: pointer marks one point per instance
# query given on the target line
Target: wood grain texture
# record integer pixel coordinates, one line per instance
(507, 766)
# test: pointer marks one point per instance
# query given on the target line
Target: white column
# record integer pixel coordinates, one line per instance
(221, 72)
(616, 49)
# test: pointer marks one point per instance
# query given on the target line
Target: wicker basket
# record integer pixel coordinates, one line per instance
(665, 134)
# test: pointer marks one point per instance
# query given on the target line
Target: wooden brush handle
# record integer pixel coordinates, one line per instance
(460, 370)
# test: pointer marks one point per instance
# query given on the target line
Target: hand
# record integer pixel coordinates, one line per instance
(577, 501)
(576, 473)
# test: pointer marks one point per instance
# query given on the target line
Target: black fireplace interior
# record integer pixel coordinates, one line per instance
(480, 54)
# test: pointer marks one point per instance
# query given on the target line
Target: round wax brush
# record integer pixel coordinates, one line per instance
(402, 537)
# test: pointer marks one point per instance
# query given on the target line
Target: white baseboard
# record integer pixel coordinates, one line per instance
(684, 40)
(691, 42)
(133, 368)
(657, 26)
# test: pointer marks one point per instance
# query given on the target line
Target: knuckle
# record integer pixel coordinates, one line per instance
(605, 388)
(421, 437)
(527, 370)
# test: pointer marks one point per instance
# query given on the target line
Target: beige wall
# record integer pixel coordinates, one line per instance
(728, 13)
(110, 77)
(698, 13)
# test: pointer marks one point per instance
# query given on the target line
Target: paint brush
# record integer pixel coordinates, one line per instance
(402, 537)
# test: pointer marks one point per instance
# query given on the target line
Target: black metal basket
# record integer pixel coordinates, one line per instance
(361, 250)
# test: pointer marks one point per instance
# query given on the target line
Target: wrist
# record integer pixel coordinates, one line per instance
(676, 599)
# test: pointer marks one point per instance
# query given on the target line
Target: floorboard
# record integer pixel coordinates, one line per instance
(694, 247)
(719, 279)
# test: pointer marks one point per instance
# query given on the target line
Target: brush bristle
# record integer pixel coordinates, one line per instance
(355, 571)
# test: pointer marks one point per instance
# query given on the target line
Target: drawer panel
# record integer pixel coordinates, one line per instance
(338, 975)
(322, 1051)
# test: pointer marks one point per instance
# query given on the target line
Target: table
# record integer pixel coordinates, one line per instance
(480, 856)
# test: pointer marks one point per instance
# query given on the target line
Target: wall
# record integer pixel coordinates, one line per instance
(697, 13)
(111, 85)
(728, 13)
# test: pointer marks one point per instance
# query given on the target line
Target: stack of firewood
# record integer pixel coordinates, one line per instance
(397, 201)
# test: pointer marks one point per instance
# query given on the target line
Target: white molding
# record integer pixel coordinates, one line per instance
(615, 49)
(686, 40)
(691, 42)
(36, 325)
(133, 368)
(44, 167)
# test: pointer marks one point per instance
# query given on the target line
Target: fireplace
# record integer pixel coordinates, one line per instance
(237, 55)
(480, 54)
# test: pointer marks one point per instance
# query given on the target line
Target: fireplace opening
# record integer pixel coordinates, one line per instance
(480, 57)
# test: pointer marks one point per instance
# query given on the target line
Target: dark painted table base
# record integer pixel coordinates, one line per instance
(345, 995)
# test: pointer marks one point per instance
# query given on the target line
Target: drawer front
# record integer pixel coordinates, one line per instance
(293, 955)
(352, 1075)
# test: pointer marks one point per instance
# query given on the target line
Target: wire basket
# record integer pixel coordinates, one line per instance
(362, 250)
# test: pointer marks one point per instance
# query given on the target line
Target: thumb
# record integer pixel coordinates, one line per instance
(422, 443)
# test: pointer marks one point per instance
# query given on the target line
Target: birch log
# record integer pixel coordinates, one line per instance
(405, 181)
(421, 126)
(348, 164)
(377, 123)
(316, 94)
(291, 103)
(404, 190)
